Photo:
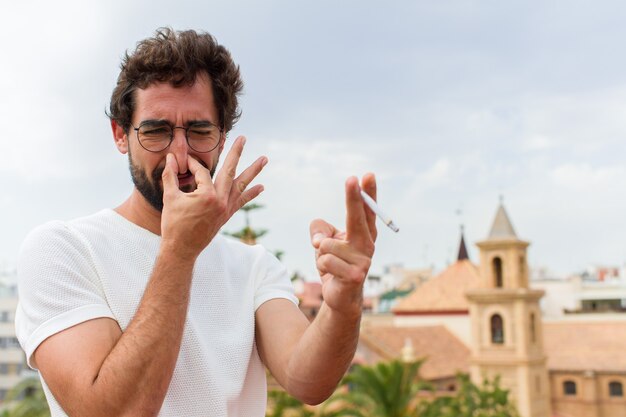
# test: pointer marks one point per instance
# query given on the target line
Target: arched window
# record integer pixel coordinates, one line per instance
(569, 388)
(497, 271)
(533, 328)
(497, 329)
(616, 389)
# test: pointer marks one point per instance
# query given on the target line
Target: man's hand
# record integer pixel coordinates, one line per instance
(191, 220)
(343, 258)
(308, 360)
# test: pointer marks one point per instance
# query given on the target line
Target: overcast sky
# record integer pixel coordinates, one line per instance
(450, 103)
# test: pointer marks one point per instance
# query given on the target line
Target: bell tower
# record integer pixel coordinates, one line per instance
(507, 336)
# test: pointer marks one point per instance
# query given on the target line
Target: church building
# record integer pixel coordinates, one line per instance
(486, 320)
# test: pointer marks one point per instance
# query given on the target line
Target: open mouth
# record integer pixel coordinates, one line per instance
(186, 182)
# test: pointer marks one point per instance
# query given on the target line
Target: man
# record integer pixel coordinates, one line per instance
(146, 310)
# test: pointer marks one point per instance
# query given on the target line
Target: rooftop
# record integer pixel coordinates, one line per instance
(583, 346)
(444, 293)
(445, 354)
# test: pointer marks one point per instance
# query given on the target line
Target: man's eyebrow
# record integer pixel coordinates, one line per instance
(187, 123)
(200, 121)
(155, 121)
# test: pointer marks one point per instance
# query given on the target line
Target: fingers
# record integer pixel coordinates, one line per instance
(340, 249)
(248, 196)
(170, 175)
(319, 230)
(239, 191)
(200, 173)
(357, 229)
(340, 259)
(226, 175)
(368, 184)
(332, 266)
(232, 191)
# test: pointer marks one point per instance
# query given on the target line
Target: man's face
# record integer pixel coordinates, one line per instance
(180, 107)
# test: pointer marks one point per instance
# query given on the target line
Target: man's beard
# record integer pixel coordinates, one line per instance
(151, 188)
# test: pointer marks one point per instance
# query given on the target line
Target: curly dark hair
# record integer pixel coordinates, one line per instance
(177, 57)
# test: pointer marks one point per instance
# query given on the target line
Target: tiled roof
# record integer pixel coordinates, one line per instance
(445, 354)
(443, 293)
(582, 346)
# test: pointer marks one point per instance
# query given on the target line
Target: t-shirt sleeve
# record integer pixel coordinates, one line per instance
(272, 281)
(58, 285)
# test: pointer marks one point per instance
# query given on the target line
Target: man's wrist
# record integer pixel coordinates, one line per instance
(350, 310)
(174, 251)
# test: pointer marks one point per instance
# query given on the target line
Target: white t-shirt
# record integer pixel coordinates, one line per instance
(99, 266)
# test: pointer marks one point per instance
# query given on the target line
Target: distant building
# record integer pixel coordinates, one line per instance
(12, 358)
(583, 294)
(507, 330)
(383, 292)
(571, 364)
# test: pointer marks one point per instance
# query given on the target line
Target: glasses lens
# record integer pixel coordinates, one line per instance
(203, 137)
(154, 136)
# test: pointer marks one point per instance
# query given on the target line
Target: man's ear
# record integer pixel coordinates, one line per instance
(120, 137)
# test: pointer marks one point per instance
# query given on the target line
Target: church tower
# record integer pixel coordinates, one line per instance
(507, 335)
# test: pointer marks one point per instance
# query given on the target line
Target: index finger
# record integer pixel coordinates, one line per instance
(357, 229)
(200, 173)
(226, 175)
(368, 184)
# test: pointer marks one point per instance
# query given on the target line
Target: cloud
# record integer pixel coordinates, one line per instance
(450, 105)
(538, 142)
(584, 178)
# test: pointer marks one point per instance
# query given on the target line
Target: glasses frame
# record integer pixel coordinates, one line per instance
(186, 129)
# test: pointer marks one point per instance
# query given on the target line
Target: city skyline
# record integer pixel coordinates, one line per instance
(451, 104)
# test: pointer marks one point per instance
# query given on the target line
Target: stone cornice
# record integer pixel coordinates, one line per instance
(498, 295)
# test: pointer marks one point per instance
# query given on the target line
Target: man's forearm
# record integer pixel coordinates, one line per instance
(134, 378)
(322, 355)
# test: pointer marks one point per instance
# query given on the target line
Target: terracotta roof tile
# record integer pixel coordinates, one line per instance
(445, 292)
(595, 346)
(445, 354)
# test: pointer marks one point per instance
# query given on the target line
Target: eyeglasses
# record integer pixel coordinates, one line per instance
(157, 135)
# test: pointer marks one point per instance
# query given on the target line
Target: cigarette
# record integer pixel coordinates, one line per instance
(372, 205)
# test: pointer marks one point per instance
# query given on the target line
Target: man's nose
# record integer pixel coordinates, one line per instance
(180, 148)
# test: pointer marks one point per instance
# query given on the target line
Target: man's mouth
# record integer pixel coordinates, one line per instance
(186, 182)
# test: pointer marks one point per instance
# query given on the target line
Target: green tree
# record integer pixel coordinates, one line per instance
(387, 389)
(487, 400)
(248, 234)
(282, 404)
(27, 399)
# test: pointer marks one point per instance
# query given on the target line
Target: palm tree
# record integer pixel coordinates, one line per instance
(487, 400)
(248, 234)
(27, 399)
(283, 405)
(388, 389)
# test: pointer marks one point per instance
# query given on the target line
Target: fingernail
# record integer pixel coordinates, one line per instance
(317, 238)
(264, 161)
(243, 141)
